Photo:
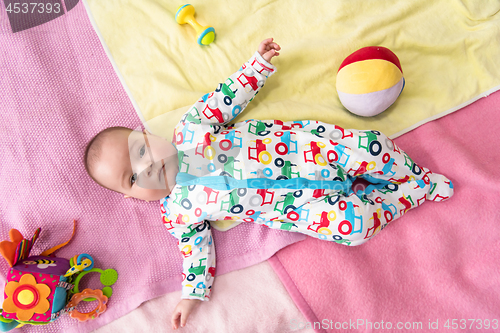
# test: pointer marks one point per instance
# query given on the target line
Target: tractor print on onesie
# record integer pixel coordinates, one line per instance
(286, 205)
(259, 128)
(230, 140)
(257, 150)
(232, 204)
(229, 167)
(229, 95)
(186, 135)
(211, 111)
(369, 142)
(338, 155)
(183, 166)
(314, 153)
(338, 133)
(196, 271)
(351, 223)
(204, 148)
(248, 80)
(287, 145)
(262, 197)
(192, 116)
(286, 169)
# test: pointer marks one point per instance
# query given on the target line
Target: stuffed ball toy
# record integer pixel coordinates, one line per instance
(370, 80)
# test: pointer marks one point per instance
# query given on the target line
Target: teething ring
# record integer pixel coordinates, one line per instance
(87, 293)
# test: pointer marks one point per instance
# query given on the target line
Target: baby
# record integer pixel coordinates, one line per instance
(294, 176)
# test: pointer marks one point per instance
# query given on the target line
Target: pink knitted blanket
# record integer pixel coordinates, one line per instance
(434, 270)
(57, 90)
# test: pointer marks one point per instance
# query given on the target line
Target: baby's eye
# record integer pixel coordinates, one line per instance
(133, 179)
(142, 151)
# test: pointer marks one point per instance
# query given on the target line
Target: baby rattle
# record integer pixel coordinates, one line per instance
(185, 14)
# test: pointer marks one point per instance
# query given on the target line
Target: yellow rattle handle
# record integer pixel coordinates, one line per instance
(185, 14)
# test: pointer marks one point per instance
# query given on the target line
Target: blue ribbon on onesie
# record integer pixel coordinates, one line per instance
(224, 183)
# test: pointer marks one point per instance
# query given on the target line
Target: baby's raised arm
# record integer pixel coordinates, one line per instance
(231, 97)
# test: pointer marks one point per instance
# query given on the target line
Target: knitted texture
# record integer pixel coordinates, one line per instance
(57, 90)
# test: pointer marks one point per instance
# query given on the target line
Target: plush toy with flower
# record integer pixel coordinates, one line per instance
(41, 288)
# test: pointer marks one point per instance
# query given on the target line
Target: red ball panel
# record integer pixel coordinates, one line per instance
(372, 52)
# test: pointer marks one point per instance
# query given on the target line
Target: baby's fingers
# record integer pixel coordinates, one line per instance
(269, 52)
(264, 45)
(175, 319)
(269, 55)
(274, 46)
(184, 317)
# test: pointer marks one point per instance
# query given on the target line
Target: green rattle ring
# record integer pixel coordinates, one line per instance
(108, 277)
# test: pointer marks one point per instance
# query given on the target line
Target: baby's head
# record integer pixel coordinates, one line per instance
(134, 163)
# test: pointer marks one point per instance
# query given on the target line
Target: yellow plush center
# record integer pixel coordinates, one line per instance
(26, 297)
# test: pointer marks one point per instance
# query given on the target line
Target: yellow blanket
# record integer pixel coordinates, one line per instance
(449, 51)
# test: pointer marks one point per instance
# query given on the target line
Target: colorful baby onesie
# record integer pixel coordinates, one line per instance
(294, 176)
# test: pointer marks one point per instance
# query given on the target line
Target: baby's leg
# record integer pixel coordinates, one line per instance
(352, 220)
(376, 158)
(371, 153)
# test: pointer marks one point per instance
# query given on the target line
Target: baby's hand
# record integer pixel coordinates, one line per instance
(182, 311)
(268, 49)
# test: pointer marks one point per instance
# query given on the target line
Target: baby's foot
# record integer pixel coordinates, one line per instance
(441, 188)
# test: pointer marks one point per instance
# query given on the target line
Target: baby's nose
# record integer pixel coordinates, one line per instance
(147, 170)
(153, 168)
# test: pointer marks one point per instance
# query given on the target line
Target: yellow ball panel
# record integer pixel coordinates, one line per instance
(368, 76)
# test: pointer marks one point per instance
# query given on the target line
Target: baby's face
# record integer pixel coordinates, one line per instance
(137, 165)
